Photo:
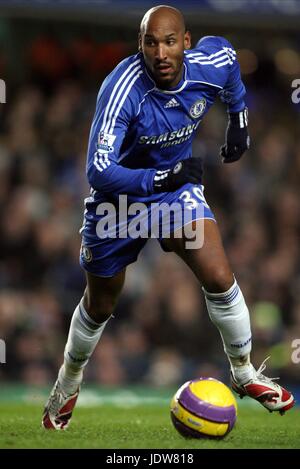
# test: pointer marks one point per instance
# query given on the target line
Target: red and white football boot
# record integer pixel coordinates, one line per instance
(59, 408)
(264, 390)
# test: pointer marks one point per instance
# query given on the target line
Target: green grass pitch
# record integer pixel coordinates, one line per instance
(141, 426)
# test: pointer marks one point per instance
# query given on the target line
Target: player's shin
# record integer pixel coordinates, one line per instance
(83, 337)
(229, 313)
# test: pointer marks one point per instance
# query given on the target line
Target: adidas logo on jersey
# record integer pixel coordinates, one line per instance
(171, 103)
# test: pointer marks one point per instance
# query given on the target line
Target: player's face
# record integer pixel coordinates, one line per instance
(162, 42)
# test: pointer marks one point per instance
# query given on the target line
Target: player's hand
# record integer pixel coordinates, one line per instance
(189, 170)
(237, 138)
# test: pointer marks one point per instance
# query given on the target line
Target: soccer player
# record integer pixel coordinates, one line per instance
(147, 113)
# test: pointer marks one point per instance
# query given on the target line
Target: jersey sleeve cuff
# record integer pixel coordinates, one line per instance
(236, 107)
(149, 181)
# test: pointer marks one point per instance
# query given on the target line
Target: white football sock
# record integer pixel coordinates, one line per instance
(229, 313)
(83, 337)
(242, 373)
(69, 379)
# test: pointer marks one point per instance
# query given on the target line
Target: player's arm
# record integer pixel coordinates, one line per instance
(108, 130)
(225, 71)
(111, 122)
(237, 139)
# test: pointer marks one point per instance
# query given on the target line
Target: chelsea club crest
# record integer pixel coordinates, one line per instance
(86, 253)
(198, 108)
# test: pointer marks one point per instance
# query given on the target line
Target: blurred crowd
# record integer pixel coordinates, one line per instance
(160, 334)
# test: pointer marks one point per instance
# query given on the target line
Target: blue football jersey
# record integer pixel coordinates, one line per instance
(138, 128)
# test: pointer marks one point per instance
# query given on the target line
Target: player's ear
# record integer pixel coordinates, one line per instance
(187, 40)
(140, 42)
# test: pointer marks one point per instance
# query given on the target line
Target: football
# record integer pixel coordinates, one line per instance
(204, 408)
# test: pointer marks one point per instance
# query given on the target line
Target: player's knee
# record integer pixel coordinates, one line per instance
(220, 280)
(101, 295)
(99, 308)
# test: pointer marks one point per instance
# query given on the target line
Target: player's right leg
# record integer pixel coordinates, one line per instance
(104, 257)
(88, 322)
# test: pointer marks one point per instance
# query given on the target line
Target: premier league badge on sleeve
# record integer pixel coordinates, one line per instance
(198, 108)
(105, 142)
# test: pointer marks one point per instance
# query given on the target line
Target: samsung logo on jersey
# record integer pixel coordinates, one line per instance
(184, 132)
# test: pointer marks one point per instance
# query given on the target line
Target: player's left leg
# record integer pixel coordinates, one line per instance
(228, 311)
